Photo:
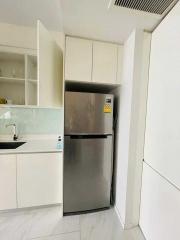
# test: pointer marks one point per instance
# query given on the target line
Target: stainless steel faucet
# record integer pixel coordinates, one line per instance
(15, 136)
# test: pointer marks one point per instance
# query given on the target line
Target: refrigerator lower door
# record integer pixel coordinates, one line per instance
(87, 172)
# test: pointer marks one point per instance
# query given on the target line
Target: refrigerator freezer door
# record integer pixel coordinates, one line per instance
(88, 113)
(87, 173)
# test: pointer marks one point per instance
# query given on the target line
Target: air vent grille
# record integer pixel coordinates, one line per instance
(150, 6)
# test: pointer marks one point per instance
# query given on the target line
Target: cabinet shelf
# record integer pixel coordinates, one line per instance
(32, 77)
(32, 81)
(12, 80)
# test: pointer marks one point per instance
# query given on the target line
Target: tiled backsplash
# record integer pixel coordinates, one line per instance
(32, 120)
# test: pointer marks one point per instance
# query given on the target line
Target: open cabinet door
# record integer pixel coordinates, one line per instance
(50, 69)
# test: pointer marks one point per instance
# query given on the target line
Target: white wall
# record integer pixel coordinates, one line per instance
(162, 141)
(25, 37)
(132, 109)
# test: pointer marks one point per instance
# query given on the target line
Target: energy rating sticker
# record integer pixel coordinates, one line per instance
(107, 108)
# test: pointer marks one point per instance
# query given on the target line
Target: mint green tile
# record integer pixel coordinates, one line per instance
(32, 120)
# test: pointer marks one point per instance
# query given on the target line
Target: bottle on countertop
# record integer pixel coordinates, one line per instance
(59, 143)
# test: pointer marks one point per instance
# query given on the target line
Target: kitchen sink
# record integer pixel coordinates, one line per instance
(10, 145)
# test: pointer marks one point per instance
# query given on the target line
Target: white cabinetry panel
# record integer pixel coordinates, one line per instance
(7, 182)
(50, 70)
(39, 179)
(105, 57)
(162, 141)
(160, 207)
(78, 65)
(119, 64)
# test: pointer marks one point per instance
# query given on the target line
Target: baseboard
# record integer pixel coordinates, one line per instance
(19, 210)
(119, 217)
(126, 226)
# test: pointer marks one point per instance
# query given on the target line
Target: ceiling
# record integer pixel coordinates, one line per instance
(27, 12)
(85, 18)
(93, 19)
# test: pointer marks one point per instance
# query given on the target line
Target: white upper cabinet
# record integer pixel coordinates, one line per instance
(92, 61)
(32, 76)
(16, 72)
(78, 64)
(50, 70)
(104, 63)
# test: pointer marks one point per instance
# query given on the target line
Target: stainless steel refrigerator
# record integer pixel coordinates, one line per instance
(88, 151)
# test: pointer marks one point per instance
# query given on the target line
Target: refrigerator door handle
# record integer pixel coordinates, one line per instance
(88, 136)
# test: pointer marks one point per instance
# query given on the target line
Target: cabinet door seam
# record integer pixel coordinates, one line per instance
(16, 185)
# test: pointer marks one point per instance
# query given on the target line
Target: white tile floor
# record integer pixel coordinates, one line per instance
(46, 224)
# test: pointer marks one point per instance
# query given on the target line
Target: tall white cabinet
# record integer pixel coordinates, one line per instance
(160, 200)
(32, 77)
(160, 207)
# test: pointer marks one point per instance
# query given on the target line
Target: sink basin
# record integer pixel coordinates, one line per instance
(10, 145)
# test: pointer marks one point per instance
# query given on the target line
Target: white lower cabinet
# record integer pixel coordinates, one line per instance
(8, 182)
(39, 179)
